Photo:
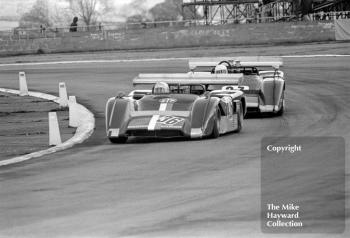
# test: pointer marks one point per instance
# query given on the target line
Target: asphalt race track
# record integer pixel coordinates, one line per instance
(163, 188)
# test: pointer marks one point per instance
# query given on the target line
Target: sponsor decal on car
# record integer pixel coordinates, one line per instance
(171, 121)
(168, 100)
(157, 122)
(139, 123)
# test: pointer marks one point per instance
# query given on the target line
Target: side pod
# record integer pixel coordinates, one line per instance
(117, 113)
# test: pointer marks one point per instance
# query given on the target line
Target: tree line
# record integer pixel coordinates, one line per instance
(92, 12)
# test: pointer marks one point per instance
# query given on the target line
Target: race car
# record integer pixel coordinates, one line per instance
(263, 83)
(176, 105)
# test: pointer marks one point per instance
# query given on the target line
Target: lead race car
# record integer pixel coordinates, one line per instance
(262, 82)
(178, 105)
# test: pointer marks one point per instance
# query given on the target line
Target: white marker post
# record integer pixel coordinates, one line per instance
(23, 88)
(63, 101)
(54, 130)
(73, 112)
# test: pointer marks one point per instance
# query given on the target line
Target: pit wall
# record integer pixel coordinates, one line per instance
(160, 38)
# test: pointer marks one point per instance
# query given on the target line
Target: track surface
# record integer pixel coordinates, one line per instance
(162, 188)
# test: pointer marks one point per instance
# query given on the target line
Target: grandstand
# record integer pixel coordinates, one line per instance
(242, 11)
(329, 10)
(331, 5)
(217, 11)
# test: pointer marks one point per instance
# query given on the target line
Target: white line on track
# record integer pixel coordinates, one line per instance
(148, 60)
(311, 56)
(91, 61)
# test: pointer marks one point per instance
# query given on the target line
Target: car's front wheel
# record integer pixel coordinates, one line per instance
(118, 140)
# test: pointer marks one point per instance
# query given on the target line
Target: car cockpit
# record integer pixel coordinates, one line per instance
(196, 89)
(225, 67)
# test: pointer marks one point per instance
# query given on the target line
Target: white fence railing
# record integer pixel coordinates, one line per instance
(328, 16)
(103, 29)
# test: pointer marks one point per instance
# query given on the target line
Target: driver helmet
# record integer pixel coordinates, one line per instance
(221, 69)
(161, 88)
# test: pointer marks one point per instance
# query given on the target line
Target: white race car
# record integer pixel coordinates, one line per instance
(263, 83)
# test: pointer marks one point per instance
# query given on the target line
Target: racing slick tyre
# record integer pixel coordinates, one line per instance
(118, 140)
(239, 118)
(216, 126)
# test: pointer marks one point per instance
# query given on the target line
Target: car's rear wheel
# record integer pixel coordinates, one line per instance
(239, 117)
(118, 140)
(216, 126)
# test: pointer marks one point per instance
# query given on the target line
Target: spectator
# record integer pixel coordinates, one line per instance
(74, 25)
(42, 30)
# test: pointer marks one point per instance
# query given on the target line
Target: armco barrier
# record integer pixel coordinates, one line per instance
(158, 38)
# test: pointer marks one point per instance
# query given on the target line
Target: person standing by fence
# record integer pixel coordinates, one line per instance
(74, 25)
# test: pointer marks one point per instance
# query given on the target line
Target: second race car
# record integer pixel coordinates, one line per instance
(263, 82)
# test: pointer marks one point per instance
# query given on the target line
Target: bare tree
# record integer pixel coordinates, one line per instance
(169, 10)
(136, 11)
(89, 10)
(37, 15)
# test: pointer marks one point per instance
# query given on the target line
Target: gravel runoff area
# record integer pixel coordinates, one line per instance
(24, 124)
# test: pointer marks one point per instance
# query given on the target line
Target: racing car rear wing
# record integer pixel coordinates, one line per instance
(249, 61)
(189, 78)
